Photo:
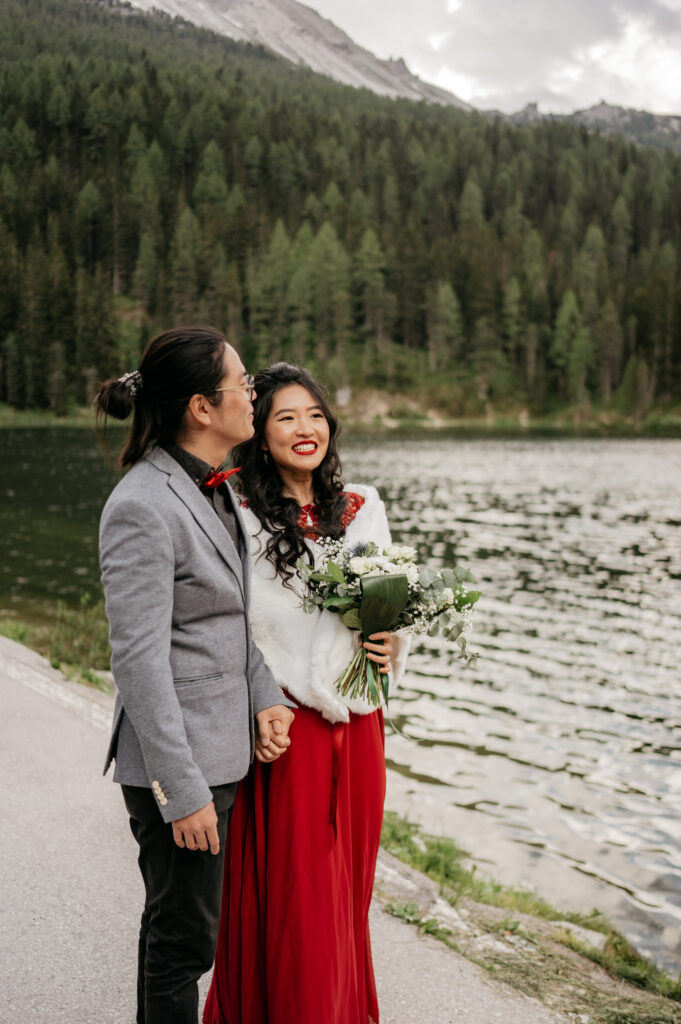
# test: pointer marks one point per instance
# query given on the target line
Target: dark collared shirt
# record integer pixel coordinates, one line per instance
(198, 470)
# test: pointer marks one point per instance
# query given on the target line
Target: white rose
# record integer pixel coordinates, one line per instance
(359, 565)
(385, 565)
(400, 552)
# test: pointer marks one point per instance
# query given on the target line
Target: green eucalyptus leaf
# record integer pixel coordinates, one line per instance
(339, 603)
(322, 577)
(453, 630)
(304, 569)
(426, 577)
(351, 619)
(470, 598)
(335, 573)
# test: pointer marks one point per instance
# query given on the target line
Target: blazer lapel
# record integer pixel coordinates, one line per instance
(191, 496)
(244, 540)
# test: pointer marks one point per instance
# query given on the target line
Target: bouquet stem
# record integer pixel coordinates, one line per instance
(362, 678)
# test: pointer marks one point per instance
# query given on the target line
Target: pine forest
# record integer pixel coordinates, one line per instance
(153, 174)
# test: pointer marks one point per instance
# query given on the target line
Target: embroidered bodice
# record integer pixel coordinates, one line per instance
(308, 519)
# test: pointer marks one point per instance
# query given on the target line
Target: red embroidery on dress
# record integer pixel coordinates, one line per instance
(309, 516)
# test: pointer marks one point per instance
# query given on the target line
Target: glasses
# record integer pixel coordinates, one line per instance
(248, 385)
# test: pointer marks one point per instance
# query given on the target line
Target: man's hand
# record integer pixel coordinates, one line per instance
(198, 831)
(272, 738)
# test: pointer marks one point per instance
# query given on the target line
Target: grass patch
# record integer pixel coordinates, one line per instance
(446, 863)
(77, 416)
(76, 643)
(411, 913)
(14, 630)
(620, 958)
(80, 636)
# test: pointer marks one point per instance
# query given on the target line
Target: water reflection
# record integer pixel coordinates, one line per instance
(559, 754)
(556, 760)
(53, 484)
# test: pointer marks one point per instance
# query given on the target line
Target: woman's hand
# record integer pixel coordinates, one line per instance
(381, 648)
(271, 734)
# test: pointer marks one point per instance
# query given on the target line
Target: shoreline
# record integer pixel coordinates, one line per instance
(381, 414)
(571, 963)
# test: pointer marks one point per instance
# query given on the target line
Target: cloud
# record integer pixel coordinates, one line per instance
(502, 54)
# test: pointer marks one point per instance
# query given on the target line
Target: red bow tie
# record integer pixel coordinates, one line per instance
(215, 478)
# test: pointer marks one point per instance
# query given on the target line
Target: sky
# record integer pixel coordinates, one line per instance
(503, 54)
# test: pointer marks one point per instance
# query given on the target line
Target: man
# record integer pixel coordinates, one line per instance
(195, 698)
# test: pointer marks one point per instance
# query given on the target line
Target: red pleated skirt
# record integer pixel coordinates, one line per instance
(293, 946)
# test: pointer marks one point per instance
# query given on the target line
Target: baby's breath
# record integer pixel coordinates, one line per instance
(439, 604)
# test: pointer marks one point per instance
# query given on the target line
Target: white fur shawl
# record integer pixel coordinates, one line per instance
(308, 651)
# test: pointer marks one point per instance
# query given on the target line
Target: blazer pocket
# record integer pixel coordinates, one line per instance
(185, 681)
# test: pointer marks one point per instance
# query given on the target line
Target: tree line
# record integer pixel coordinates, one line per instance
(154, 174)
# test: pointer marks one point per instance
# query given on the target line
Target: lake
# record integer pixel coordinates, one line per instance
(556, 760)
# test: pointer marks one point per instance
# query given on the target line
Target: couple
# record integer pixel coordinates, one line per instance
(210, 652)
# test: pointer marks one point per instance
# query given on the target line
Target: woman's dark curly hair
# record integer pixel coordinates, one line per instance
(259, 481)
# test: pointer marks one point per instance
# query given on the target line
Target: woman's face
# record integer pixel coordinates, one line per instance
(296, 431)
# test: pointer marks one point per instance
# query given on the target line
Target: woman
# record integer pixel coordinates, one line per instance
(294, 938)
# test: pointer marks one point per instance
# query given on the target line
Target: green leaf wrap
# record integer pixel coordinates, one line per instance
(383, 600)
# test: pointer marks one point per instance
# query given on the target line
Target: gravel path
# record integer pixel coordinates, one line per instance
(71, 895)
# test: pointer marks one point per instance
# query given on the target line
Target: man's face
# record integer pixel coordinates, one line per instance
(233, 418)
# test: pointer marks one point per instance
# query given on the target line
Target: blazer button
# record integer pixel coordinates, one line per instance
(156, 786)
(163, 800)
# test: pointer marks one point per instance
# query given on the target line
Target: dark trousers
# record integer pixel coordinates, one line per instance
(179, 925)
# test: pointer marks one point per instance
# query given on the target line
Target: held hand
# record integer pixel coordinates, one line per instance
(272, 739)
(382, 649)
(198, 831)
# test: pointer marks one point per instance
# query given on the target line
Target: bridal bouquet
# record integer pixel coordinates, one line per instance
(374, 589)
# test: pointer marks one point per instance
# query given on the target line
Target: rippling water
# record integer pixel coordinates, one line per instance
(557, 760)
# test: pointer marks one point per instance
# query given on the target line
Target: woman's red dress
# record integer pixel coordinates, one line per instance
(293, 945)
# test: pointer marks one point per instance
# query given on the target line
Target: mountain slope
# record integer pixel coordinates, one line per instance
(302, 36)
(658, 130)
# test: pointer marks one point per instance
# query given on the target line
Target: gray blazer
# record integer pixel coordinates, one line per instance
(189, 677)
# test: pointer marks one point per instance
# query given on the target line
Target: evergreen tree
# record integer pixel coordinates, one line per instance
(88, 209)
(369, 281)
(329, 286)
(609, 348)
(445, 328)
(185, 253)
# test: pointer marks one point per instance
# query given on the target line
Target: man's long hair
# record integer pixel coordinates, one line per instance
(177, 364)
